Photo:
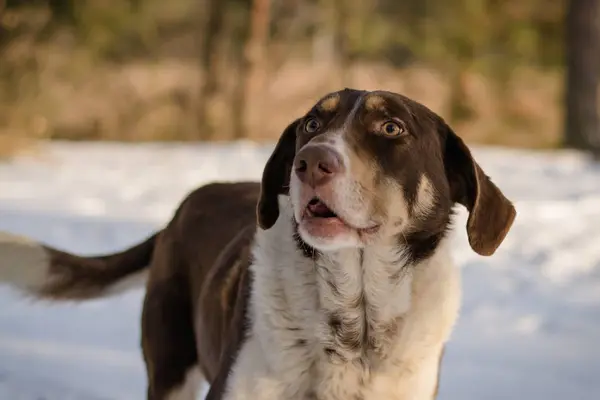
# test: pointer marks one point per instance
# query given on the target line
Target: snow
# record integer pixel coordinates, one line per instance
(530, 318)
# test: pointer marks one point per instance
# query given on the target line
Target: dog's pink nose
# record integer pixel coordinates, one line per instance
(317, 165)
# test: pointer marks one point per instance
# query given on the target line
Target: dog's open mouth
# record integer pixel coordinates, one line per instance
(316, 208)
(323, 221)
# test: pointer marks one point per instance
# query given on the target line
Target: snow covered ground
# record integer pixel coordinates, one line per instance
(530, 323)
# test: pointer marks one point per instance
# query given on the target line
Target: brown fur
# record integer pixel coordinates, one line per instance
(201, 260)
(77, 278)
(428, 147)
(197, 287)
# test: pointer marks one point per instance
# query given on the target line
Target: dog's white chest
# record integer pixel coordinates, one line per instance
(330, 332)
(301, 376)
(392, 380)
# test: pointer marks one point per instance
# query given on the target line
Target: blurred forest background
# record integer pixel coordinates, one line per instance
(518, 73)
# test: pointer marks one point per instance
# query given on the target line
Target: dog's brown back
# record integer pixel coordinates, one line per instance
(196, 289)
(209, 241)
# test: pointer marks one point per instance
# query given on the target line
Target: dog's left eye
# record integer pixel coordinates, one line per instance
(312, 125)
(391, 129)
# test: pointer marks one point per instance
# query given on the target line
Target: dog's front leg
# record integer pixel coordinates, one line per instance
(253, 377)
(250, 377)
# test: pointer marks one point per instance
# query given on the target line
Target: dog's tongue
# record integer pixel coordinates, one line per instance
(318, 208)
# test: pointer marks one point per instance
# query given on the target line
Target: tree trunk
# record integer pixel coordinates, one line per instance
(342, 21)
(255, 66)
(582, 28)
(239, 106)
(460, 108)
(63, 11)
(213, 25)
(135, 5)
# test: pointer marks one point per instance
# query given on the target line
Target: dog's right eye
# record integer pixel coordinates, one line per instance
(311, 125)
(392, 129)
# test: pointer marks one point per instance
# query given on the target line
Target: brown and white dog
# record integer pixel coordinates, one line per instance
(345, 289)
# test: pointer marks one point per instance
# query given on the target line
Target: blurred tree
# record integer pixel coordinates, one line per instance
(341, 24)
(63, 11)
(473, 47)
(286, 27)
(255, 51)
(212, 28)
(582, 122)
(240, 34)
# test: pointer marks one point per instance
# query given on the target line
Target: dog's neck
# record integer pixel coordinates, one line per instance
(363, 294)
(355, 299)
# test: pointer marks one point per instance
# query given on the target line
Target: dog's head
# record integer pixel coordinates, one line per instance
(373, 167)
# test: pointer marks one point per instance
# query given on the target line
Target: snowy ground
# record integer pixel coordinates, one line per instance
(530, 323)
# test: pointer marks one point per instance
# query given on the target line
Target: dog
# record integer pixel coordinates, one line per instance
(330, 279)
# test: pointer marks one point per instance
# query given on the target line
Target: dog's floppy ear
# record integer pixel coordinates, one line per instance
(276, 177)
(491, 215)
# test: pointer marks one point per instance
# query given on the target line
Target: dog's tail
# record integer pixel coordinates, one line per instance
(45, 272)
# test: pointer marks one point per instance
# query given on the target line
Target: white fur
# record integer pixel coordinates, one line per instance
(189, 388)
(23, 262)
(24, 265)
(290, 301)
